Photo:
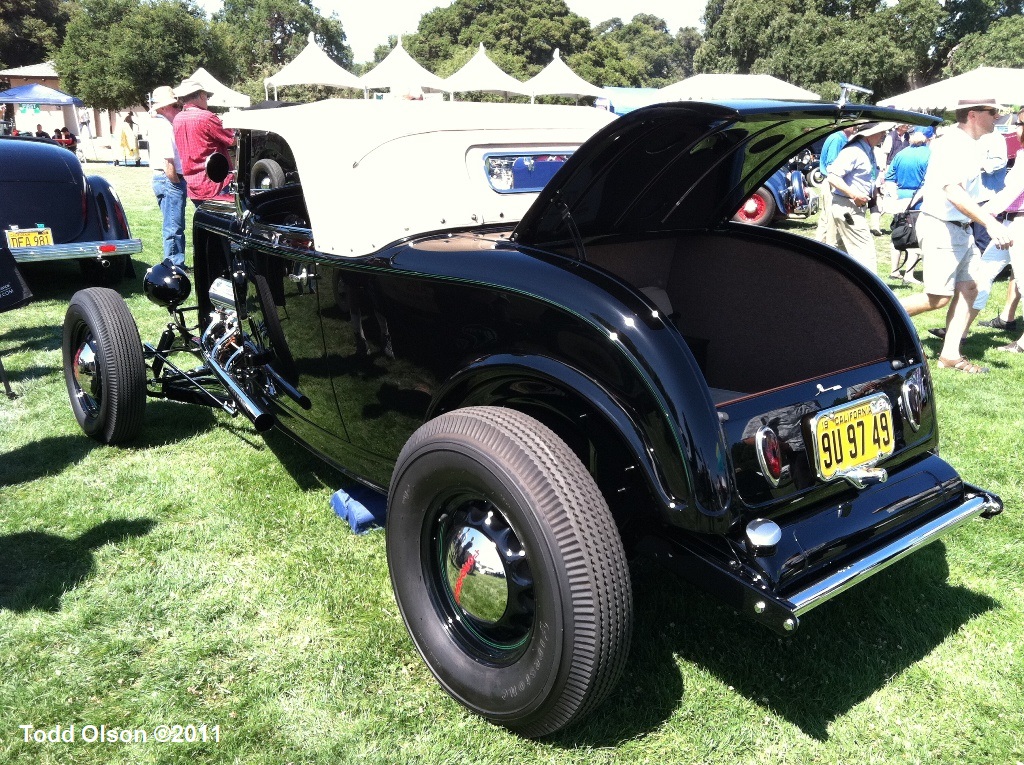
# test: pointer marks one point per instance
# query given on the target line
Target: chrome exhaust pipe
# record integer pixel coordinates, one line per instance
(260, 417)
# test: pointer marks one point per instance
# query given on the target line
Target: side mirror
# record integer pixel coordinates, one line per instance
(217, 167)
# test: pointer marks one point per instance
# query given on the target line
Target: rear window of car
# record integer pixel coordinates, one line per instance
(519, 172)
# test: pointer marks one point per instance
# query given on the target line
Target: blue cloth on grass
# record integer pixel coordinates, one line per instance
(363, 508)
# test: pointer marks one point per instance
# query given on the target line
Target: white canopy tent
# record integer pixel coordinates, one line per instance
(400, 73)
(311, 67)
(557, 79)
(1005, 85)
(222, 94)
(480, 74)
(725, 87)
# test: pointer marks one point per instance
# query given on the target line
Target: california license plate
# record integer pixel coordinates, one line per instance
(852, 436)
(29, 237)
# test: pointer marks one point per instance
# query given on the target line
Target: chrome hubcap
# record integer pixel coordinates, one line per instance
(88, 380)
(485, 580)
(476, 575)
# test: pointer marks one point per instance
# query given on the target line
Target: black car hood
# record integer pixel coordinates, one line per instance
(681, 166)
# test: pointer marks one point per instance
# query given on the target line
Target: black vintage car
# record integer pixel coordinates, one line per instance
(546, 383)
(51, 210)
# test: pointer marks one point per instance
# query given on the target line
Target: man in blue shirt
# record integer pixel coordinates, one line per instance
(906, 172)
(908, 167)
(826, 231)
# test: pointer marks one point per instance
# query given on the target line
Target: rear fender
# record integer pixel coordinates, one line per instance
(585, 415)
(108, 212)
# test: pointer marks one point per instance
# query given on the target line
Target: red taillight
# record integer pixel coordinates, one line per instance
(108, 248)
(769, 454)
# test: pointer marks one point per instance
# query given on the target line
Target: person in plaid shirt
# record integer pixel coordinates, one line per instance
(198, 132)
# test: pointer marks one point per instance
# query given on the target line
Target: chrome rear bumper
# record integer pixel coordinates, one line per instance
(977, 503)
(745, 587)
(78, 251)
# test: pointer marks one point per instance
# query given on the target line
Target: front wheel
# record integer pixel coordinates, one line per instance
(508, 569)
(103, 365)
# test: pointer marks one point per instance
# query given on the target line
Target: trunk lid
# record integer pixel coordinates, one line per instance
(681, 166)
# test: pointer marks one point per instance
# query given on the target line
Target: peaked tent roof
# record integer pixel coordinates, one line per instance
(480, 74)
(38, 94)
(1005, 85)
(44, 69)
(557, 79)
(222, 94)
(312, 67)
(399, 71)
(725, 87)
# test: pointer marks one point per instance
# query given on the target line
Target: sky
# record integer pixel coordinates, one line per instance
(368, 24)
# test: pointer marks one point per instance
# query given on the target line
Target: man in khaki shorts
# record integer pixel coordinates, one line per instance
(951, 188)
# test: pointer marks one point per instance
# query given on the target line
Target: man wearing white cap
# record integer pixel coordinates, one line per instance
(168, 182)
(952, 187)
(854, 179)
(200, 133)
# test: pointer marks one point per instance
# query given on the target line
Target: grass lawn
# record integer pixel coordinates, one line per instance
(199, 577)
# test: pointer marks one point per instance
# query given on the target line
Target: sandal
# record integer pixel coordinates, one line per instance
(1011, 348)
(963, 364)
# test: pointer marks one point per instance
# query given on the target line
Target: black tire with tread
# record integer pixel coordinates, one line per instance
(579, 639)
(103, 314)
(269, 170)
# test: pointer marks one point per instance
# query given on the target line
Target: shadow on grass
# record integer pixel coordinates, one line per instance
(845, 650)
(52, 455)
(974, 346)
(45, 457)
(30, 373)
(309, 472)
(44, 338)
(37, 569)
(60, 279)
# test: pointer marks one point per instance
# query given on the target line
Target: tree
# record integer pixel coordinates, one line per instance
(520, 35)
(819, 44)
(641, 53)
(262, 36)
(30, 29)
(1002, 44)
(116, 51)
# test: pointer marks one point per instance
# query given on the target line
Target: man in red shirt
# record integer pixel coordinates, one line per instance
(198, 133)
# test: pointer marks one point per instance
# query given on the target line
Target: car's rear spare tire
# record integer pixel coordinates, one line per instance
(267, 174)
(103, 365)
(508, 569)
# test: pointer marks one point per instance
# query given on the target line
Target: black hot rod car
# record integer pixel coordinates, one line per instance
(546, 382)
